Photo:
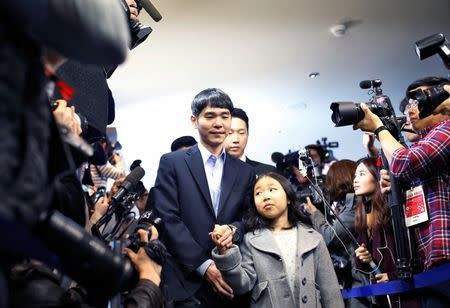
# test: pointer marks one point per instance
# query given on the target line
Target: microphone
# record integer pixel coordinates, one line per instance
(151, 10)
(367, 84)
(130, 181)
(277, 157)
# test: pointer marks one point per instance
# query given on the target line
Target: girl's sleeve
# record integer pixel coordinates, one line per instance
(237, 267)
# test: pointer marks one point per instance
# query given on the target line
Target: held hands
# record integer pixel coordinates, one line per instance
(214, 277)
(222, 236)
(385, 181)
(363, 254)
(370, 122)
(147, 268)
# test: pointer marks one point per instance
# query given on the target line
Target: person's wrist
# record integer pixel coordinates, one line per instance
(378, 130)
(150, 276)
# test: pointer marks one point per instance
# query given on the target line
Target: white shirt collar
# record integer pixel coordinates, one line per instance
(206, 153)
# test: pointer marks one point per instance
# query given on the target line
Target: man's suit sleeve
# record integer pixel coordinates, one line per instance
(179, 239)
(246, 202)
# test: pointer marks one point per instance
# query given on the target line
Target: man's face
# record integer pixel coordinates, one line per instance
(213, 125)
(237, 138)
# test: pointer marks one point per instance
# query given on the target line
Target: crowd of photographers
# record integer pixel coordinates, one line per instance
(71, 241)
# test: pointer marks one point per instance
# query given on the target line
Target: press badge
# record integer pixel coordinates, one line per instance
(416, 208)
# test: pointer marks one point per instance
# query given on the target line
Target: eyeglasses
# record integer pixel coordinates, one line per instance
(412, 103)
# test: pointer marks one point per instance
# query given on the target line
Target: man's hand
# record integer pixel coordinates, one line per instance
(309, 206)
(369, 144)
(363, 254)
(146, 267)
(133, 9)
(214, 277)
(444, 107)
(370, 122)
(385, 181)
(66, 116)
(382, 277)
(222, 236)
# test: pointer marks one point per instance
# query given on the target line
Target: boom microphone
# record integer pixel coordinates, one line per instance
(151, 10)
(367, 84)
(130, 181)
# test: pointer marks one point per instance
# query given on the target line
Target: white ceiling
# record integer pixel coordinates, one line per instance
(260, 52)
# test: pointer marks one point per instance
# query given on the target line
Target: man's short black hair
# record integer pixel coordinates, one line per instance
(211, 97)
(403, 104)
(427, 82)
(184, 141)
(240, 114)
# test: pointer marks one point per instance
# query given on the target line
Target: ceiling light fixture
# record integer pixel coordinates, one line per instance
(313, 75)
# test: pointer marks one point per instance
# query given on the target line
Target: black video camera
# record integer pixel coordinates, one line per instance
(308, 168)
(139, 33)
(349, 113)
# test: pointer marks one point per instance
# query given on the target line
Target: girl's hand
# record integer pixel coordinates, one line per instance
(383, 277)
(363, 254)
(222, 236)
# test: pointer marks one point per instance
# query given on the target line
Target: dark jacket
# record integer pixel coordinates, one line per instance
(183, 202)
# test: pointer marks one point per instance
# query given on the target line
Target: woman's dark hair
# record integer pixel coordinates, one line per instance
(378, 204)
(254, 221)
(339, 179)
(426, 82)
(211, 97)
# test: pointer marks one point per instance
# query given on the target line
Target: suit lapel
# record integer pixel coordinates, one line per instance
(194, 162)
(229, 175)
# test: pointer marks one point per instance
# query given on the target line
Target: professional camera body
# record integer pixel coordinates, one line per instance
(349, 113)
(309, 170)
(429, 99)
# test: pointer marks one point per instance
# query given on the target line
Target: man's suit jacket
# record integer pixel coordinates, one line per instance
(260, 167)
(183, 202)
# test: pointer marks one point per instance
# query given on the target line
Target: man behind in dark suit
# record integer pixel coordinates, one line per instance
(237, 138)
(195, 190)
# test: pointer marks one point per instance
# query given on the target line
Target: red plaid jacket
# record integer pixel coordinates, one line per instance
(427, 163)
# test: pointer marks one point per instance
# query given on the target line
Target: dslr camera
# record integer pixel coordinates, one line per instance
(350, 113)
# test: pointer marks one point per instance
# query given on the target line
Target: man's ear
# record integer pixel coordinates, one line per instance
(194, 121)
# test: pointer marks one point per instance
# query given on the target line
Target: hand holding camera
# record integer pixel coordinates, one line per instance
(146, 267)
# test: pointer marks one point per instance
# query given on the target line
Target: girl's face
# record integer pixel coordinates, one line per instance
(364, 183)
(270, 199)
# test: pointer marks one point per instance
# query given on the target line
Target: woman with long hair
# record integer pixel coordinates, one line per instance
(339, 187)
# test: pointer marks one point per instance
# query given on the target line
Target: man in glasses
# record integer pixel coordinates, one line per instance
(425, 167)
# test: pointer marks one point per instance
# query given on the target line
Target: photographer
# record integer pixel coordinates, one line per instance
(425, 167)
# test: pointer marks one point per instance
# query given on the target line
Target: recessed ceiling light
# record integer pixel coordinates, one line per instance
(313, 75)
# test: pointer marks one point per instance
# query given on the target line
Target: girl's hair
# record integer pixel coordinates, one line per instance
(378, 204)
(254, 221)
(339, 180)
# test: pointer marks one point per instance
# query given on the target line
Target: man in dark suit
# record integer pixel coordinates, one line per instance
(237, 138)
(195, 190)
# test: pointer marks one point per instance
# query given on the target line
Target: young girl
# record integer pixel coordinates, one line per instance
(282, 261)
